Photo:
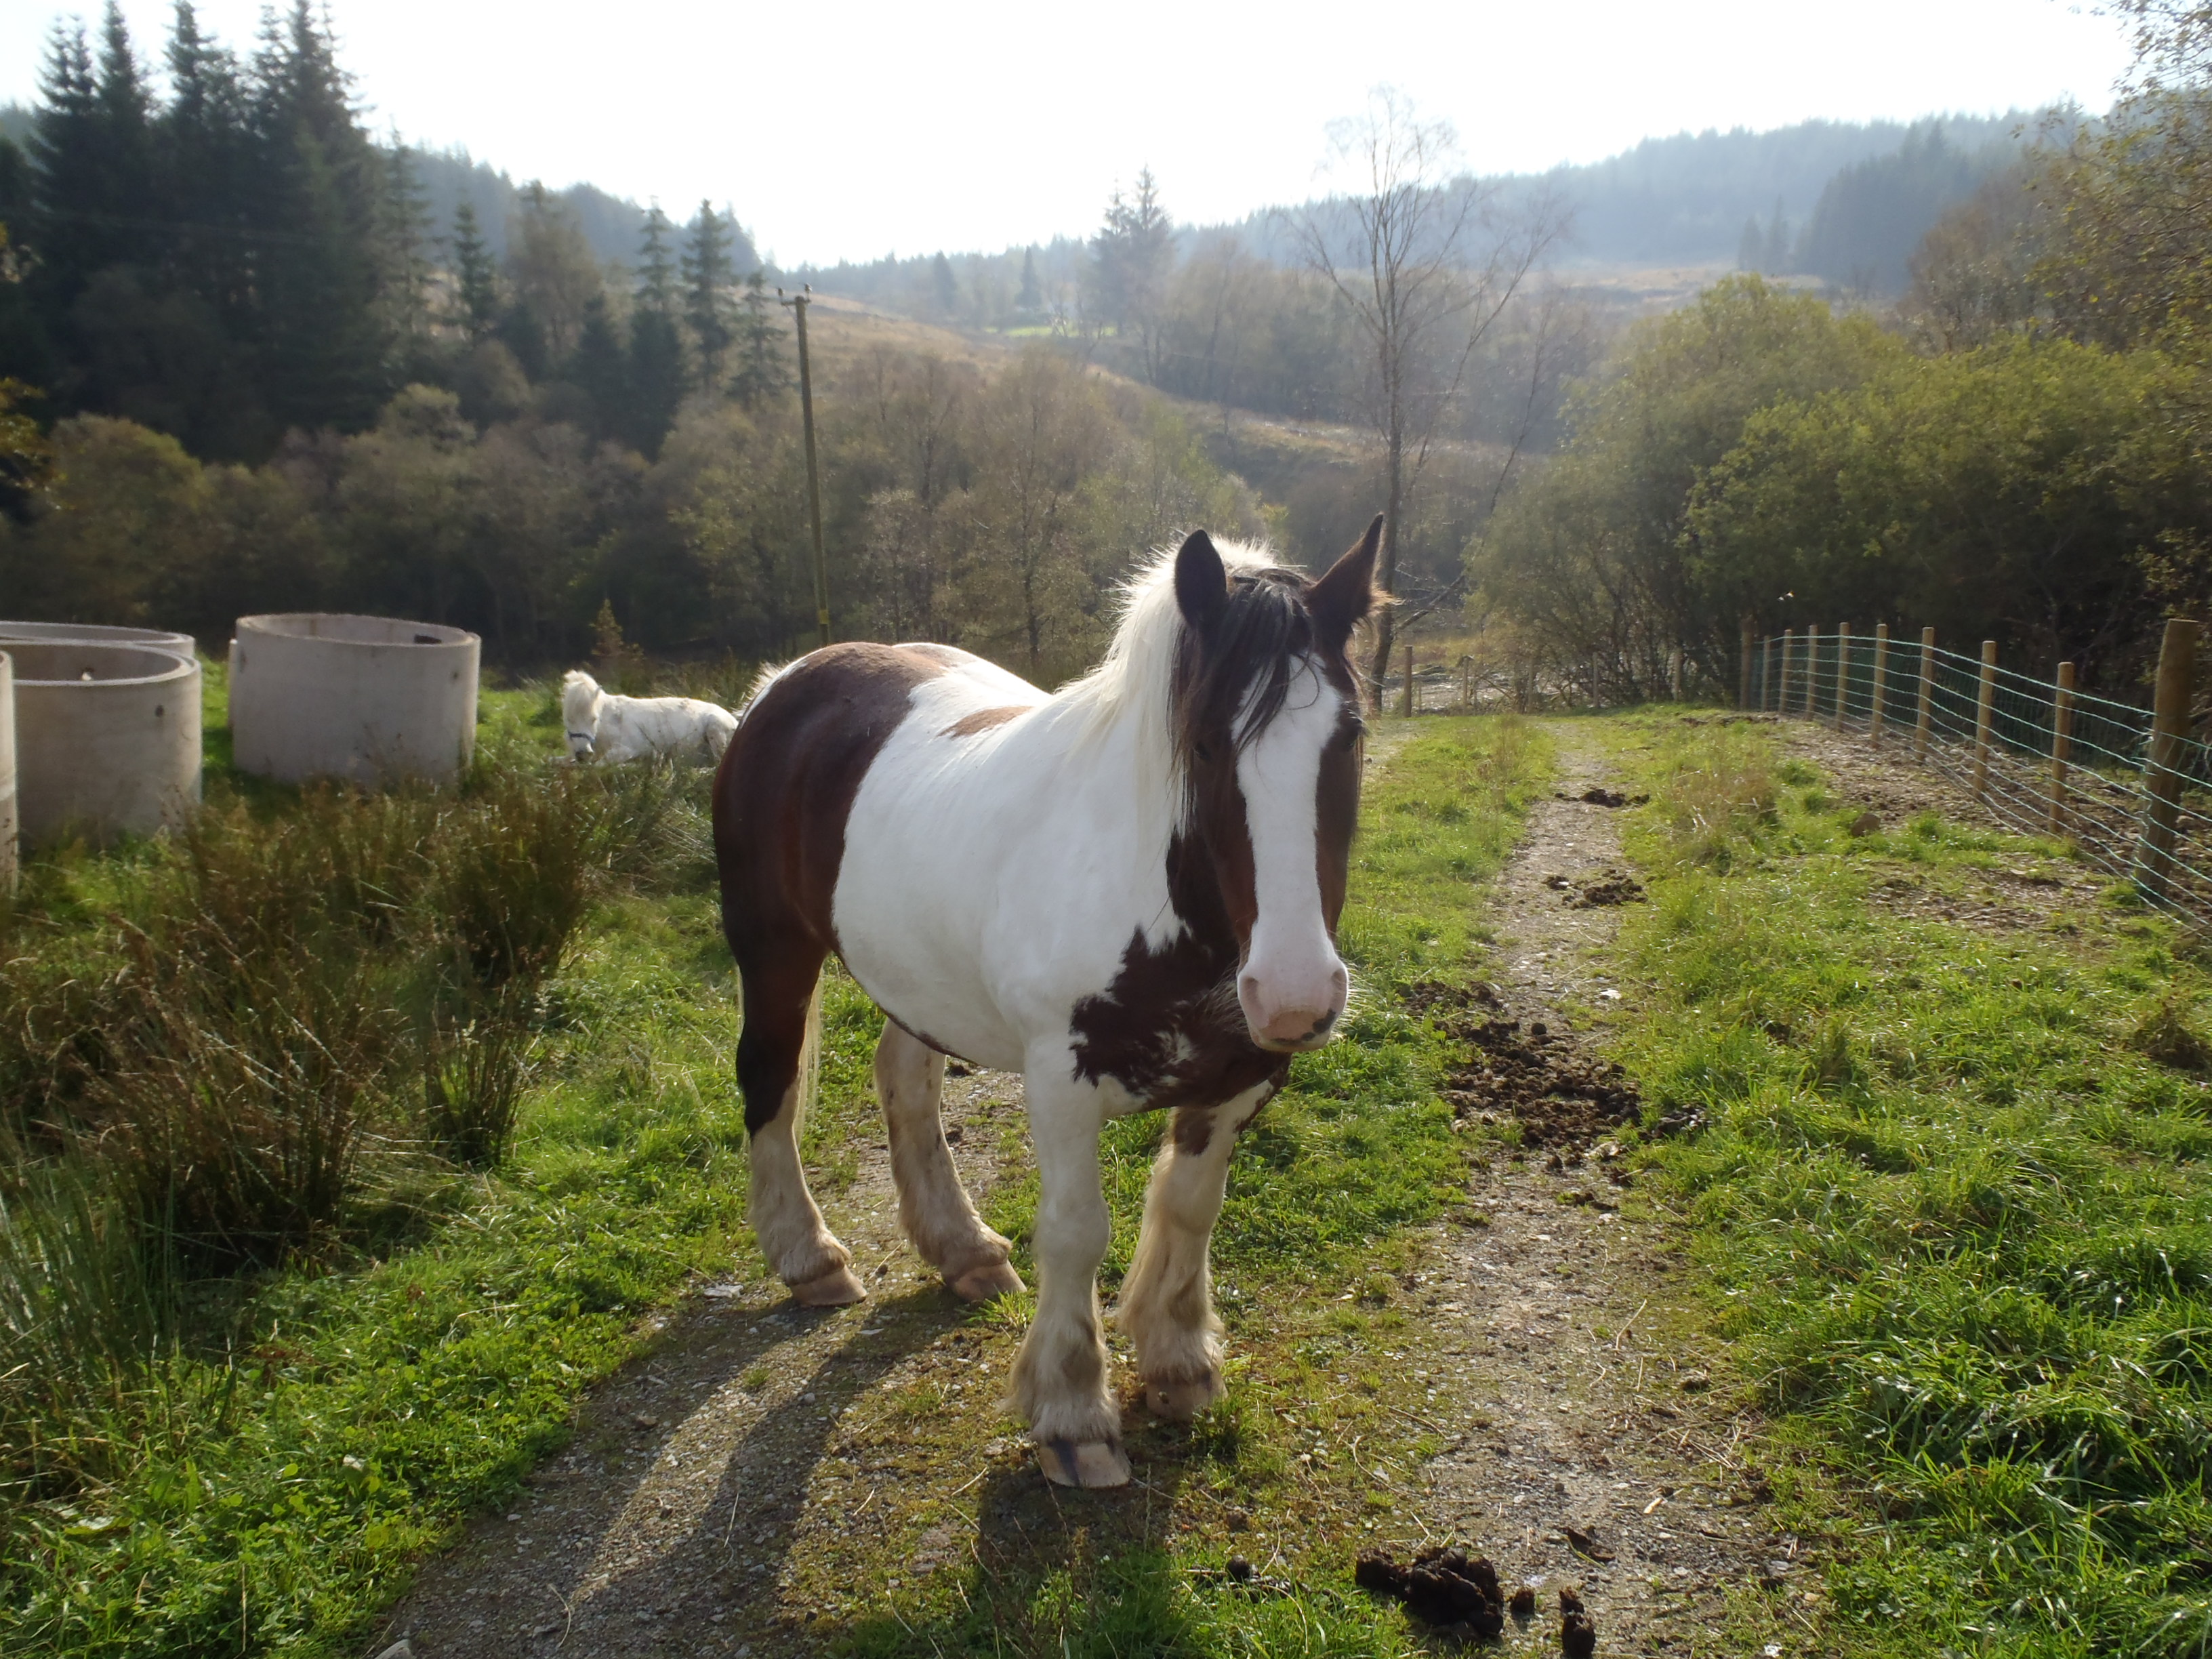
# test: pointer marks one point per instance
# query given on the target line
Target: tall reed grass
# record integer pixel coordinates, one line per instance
(222, 1053)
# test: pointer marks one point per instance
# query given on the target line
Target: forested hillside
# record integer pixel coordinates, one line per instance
(248, 361)
(255, 359)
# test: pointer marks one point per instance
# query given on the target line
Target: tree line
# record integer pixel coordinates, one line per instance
(238, 260)
(277, 390)
(2018, 450)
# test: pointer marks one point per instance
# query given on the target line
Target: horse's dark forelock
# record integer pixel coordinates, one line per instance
(1235, 679)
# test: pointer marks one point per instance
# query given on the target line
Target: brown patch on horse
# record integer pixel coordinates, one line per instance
(783, 796)
(1168, 1028)
(983, 720)
(1193, 1130)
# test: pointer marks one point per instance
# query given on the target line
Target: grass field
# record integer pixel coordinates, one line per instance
(1947, 1201)
(245, 1449)
(1952, 1197)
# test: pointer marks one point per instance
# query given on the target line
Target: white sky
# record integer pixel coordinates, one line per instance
(847, 130)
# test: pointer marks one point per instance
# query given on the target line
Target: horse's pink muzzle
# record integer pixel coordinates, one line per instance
(1293, 1014)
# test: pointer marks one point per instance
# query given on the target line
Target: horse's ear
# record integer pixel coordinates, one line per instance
(1344, 594)
(1202, 582)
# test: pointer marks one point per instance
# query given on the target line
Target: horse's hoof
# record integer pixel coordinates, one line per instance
(993, 1279)
(1094, 1463)
(1180, 1401)
(834, 1289)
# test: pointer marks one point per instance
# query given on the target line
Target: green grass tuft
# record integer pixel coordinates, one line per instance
(1953, 1194)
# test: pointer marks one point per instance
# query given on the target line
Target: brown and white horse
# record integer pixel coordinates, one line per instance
(1128, 892)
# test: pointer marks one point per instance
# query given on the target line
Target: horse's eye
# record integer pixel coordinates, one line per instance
(1203, 752)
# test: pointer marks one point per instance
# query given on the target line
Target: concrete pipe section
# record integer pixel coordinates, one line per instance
(156, 639)
(370, 699)
(107, 739)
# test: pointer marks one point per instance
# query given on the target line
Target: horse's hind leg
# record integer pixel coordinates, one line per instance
(934, 1208)
(772, 1065)
(1167, 1299)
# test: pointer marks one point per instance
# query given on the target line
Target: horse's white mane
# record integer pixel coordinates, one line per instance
(580, 693)
(1131, 687)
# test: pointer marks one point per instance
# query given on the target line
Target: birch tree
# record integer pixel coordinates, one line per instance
(1425, 258)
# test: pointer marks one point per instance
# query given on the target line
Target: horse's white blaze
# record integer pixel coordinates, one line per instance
(1292, 985)
(612, 727)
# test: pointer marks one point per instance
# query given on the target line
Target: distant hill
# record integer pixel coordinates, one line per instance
(610, 223)
(1844, 201)
(1689, 199)
(1872, 214)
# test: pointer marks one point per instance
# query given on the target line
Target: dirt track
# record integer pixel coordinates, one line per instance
(1586, 1405)
(712, 1493)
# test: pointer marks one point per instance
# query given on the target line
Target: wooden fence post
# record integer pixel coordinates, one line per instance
(2177, 666)
(1812, 670)
(1674, 675)
(1467, 683)
(2061, 744)
(1985, 705)
(1408, 708)
(1782, 686)
(1842, 672)
(1927, 691)
(1880, 682)
(1767, 683)
(1743, 673)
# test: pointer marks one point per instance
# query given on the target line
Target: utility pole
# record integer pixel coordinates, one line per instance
(798, 302)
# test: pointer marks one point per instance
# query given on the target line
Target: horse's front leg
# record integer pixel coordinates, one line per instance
(1167, 1300)
(1059, 1377)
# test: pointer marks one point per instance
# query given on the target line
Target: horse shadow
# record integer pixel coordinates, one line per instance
(725, 1570)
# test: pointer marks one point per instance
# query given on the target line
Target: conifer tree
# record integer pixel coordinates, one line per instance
(708, 275)
(203, 143)
(944, 286)
(124, 112)
(1777, 260)
(317, 204)
(1751, 251)
(475, 277)
(656, 347)
(402, 239)
(600, 368)
(553, 273)
(66, 152)
(1030, 300)
(656, 265)
(760, 346)
(1131, 256)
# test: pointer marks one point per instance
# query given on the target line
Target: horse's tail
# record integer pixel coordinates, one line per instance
(810, 1056)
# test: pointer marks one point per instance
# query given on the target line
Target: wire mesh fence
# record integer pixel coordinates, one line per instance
(2129, 787)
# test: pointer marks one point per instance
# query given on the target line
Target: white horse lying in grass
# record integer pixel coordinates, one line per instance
(613, 727)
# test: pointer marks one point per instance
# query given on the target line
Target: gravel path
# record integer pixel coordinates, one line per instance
(1592, 1449)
